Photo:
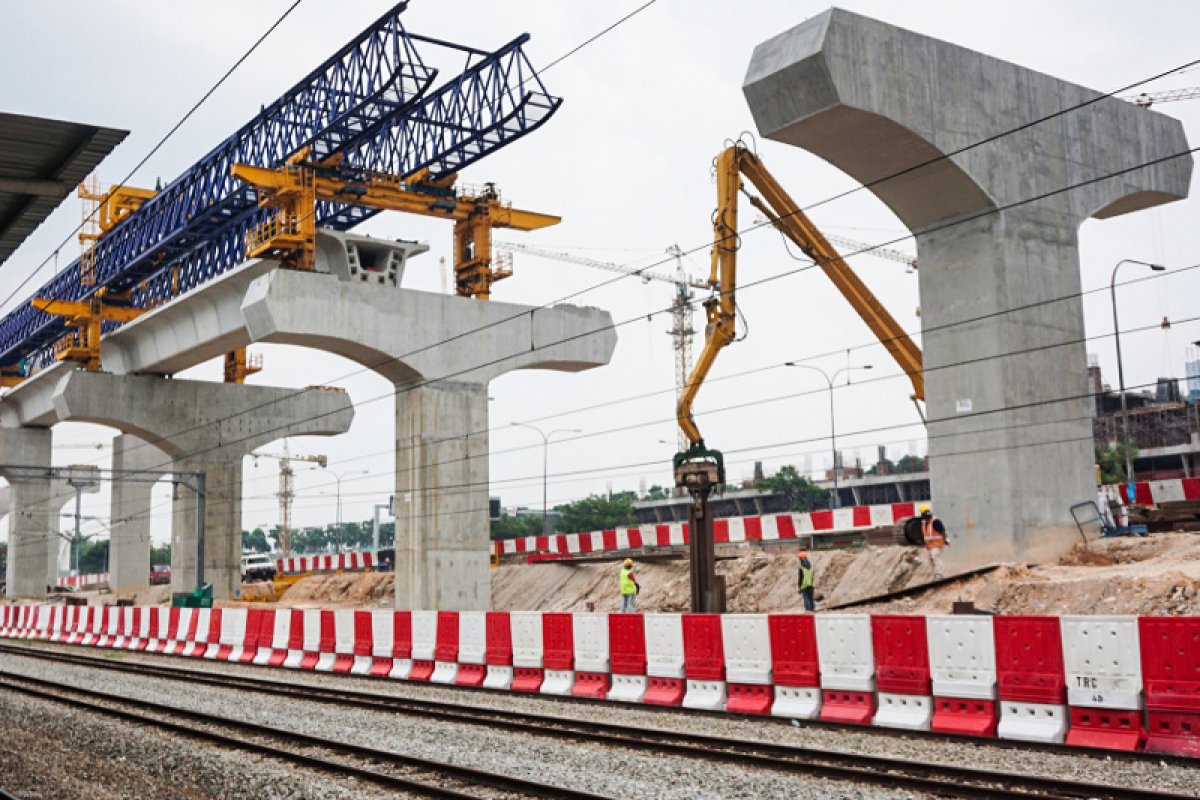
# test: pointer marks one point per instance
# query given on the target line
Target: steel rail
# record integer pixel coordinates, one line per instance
(57, 692)
(862, 768)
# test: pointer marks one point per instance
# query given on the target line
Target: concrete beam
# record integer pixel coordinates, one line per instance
(1010, 435)
(203, 427)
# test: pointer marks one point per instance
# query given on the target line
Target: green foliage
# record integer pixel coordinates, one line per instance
(800, 493)
(160, 555)
(1112, 462)
(515, 527)
(351, 536)
(910, 464)
(597, 513)
(891, 467)
(256, 541)
(93, 557)
(658, 493)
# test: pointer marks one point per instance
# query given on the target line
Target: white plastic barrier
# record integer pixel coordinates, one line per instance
(1102, 661)
(108, 633)
(176, 638)
(199, 643)
(139, 634)
(1032, 722)
(627, 688)
(124, 624)
(590, 632)
(424, 635)
(962, 656)
(705, 695)
(343, 640)
(664, 645)
(907, 711)
(845, 652)
(526, 639)
(64, 626)
(233, 634)
(797, 702)
(310, 638)
(747, 648)
(472, 637)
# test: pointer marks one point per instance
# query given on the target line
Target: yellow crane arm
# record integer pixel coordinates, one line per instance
(721, 309)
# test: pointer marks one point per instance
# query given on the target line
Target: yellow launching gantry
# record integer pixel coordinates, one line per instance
(294, 190)
(87, 318)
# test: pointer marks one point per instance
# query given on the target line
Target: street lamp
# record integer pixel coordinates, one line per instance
(339, 478)
(829, 379)
(1129, 491)
(545, 463)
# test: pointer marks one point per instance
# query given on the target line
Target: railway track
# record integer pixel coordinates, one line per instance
(933, 778)
(410, 774)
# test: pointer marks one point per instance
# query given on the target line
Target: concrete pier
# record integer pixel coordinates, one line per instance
(1005, 365)
(206, 427)
(25, 464)
(129, 547)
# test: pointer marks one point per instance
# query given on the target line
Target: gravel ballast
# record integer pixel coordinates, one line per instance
(603, 770)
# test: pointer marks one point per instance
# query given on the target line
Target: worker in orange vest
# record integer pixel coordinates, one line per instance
(934, 534)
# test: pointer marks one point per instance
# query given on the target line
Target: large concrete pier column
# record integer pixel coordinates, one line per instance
(25, 464)
(129, 547)
(441, 549)
(203, 427)
(925, 125)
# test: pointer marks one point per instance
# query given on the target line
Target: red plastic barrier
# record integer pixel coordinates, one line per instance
(703, 647)
(558, 641)
(861, 517)
(328, 641)
(635, 538)
(901, 654)
(964, 716)
(310, 657)
(664, 691)
(749, 698)
(1106, 728)
(264, 626)
(527, 679)
(446, 647)
(591, 684)
(470, 674)
(627, 644)
(852, 708)
(1029, 662)
(364, 634)
(143, 619)
(1171, 681)
(343, 660)
(499, 650)
(721, 531)
(609, 539)
(402, 634)
(1191, 488)
(794, 650)
(171, 634)
(296, 631)
(213, 639)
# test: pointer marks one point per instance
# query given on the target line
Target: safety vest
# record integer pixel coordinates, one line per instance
(932, 537)
(627, 584)
(806, 578)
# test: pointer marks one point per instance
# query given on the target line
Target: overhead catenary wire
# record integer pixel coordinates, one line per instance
(775, 277)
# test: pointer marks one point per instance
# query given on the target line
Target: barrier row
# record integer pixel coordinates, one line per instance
(326, 563)
(1152, 493)
(79, 581)
(1124, 683)
(727, 530)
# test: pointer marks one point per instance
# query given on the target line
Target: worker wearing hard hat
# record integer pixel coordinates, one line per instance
(934, 534)
(806, 581)
(629, 587)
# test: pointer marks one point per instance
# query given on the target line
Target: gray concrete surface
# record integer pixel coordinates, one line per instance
(1009, 416)
(202, 427)
(25, 464)
(129, 545)
(441, 352)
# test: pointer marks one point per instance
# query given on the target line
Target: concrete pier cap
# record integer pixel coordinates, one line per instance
(950, 140)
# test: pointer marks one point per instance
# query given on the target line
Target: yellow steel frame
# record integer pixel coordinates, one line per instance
(239, 365)
(86, 317)
(293, 190)
(784, 214)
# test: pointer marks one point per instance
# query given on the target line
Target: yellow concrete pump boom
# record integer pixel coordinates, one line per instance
(721, 309)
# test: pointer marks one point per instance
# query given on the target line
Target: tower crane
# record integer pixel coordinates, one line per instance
(1147, 99)
(286, 491)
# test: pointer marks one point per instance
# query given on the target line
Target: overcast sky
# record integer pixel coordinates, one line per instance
(626, 163)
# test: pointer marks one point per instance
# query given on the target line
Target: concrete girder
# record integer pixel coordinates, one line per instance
(203, 427)
(875, 101)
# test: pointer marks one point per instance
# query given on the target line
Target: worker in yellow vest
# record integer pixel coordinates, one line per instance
(806, 581)
(629, 587)
(934, 534)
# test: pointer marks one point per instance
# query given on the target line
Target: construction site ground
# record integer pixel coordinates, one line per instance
(1159, 574)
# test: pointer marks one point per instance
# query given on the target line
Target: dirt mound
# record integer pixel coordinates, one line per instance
(339, 590)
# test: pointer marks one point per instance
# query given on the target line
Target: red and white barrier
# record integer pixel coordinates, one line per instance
(1152, 493)
(336, 562)
(1107, 682)
(82, 581)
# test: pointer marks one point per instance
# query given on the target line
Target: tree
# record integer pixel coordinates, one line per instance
(515, 527)
(160, 555)
(596, 513)
(910, 463)
(93, 557)
(799, 492)
(891, 467)
(1112, 462)
(256, 541)
(658, 493)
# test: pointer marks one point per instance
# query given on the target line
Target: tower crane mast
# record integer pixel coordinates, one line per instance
(287, 491)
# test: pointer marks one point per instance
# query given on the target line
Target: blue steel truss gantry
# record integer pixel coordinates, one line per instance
(373, 102)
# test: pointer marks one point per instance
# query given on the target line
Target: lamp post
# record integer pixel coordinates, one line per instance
(339, 478)
(1129, 490)
(835, 501)
(545, 462)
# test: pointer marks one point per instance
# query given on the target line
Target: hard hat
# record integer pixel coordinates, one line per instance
(629, 562)
(924, 509)
(802, 554)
